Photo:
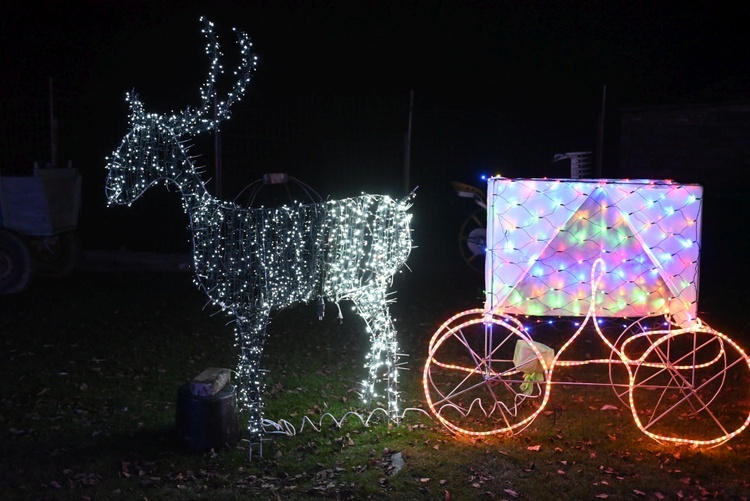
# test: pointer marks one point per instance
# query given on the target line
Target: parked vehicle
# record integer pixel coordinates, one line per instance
(38, 223)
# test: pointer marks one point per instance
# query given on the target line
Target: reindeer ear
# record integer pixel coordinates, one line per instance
(136, 106)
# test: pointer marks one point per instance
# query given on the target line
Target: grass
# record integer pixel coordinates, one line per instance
(91, 365)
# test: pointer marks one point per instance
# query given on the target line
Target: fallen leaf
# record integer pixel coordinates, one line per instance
(602, 496)
(608, 407)
(510, 492)
(534, 447)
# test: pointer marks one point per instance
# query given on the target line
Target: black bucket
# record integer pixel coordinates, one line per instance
(204, 423)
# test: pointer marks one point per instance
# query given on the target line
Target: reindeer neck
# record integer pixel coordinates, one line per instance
(194, 192)
(181, 172)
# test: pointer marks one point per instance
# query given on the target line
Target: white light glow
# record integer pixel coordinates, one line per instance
(250, 261)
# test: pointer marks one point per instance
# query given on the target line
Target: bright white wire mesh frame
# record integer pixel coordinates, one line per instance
(250, 261)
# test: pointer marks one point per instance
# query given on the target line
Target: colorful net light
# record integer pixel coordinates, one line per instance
(587, 249)
(546, 234)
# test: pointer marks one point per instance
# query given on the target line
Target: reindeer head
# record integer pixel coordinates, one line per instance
(153, 150)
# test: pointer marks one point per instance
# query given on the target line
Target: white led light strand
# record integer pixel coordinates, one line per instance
(250, 261)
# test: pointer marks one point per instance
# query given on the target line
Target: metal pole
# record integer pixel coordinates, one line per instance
(52, 127)
(217, 151)
(600, 136)
(407, 146)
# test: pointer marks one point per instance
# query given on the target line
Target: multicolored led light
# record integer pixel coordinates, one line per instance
(544, 236)
(591, 248)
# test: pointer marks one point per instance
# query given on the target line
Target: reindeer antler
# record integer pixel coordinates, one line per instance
(136, 107)
(202, 119)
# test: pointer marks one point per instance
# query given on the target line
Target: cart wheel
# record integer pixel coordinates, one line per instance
(688, 386)
(472, 383)
(619, 361)
(16, 267)
(472, 239)
(57, 256)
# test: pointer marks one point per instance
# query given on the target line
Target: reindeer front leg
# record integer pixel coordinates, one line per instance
(251, 336)
(382, 359)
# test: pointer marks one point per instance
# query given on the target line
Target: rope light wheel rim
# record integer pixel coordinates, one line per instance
(619, 362)
(456, 319)
(683, 395)
(471, 383)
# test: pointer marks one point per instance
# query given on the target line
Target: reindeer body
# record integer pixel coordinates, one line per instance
(253, 260)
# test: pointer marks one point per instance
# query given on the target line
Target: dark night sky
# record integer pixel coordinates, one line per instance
(497, 53)
(496, 83)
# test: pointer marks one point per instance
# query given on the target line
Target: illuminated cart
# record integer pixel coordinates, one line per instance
(615, 260)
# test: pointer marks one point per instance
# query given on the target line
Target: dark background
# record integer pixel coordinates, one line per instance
(499, 87)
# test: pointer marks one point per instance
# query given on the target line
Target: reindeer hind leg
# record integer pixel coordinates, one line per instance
(382, 359)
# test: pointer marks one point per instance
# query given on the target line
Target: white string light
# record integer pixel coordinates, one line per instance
(283, 426)
(250, 261)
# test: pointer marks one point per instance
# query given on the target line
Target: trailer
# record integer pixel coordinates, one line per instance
(38, 226)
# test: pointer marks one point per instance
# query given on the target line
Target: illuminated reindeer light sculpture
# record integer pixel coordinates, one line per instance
(250, 261)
